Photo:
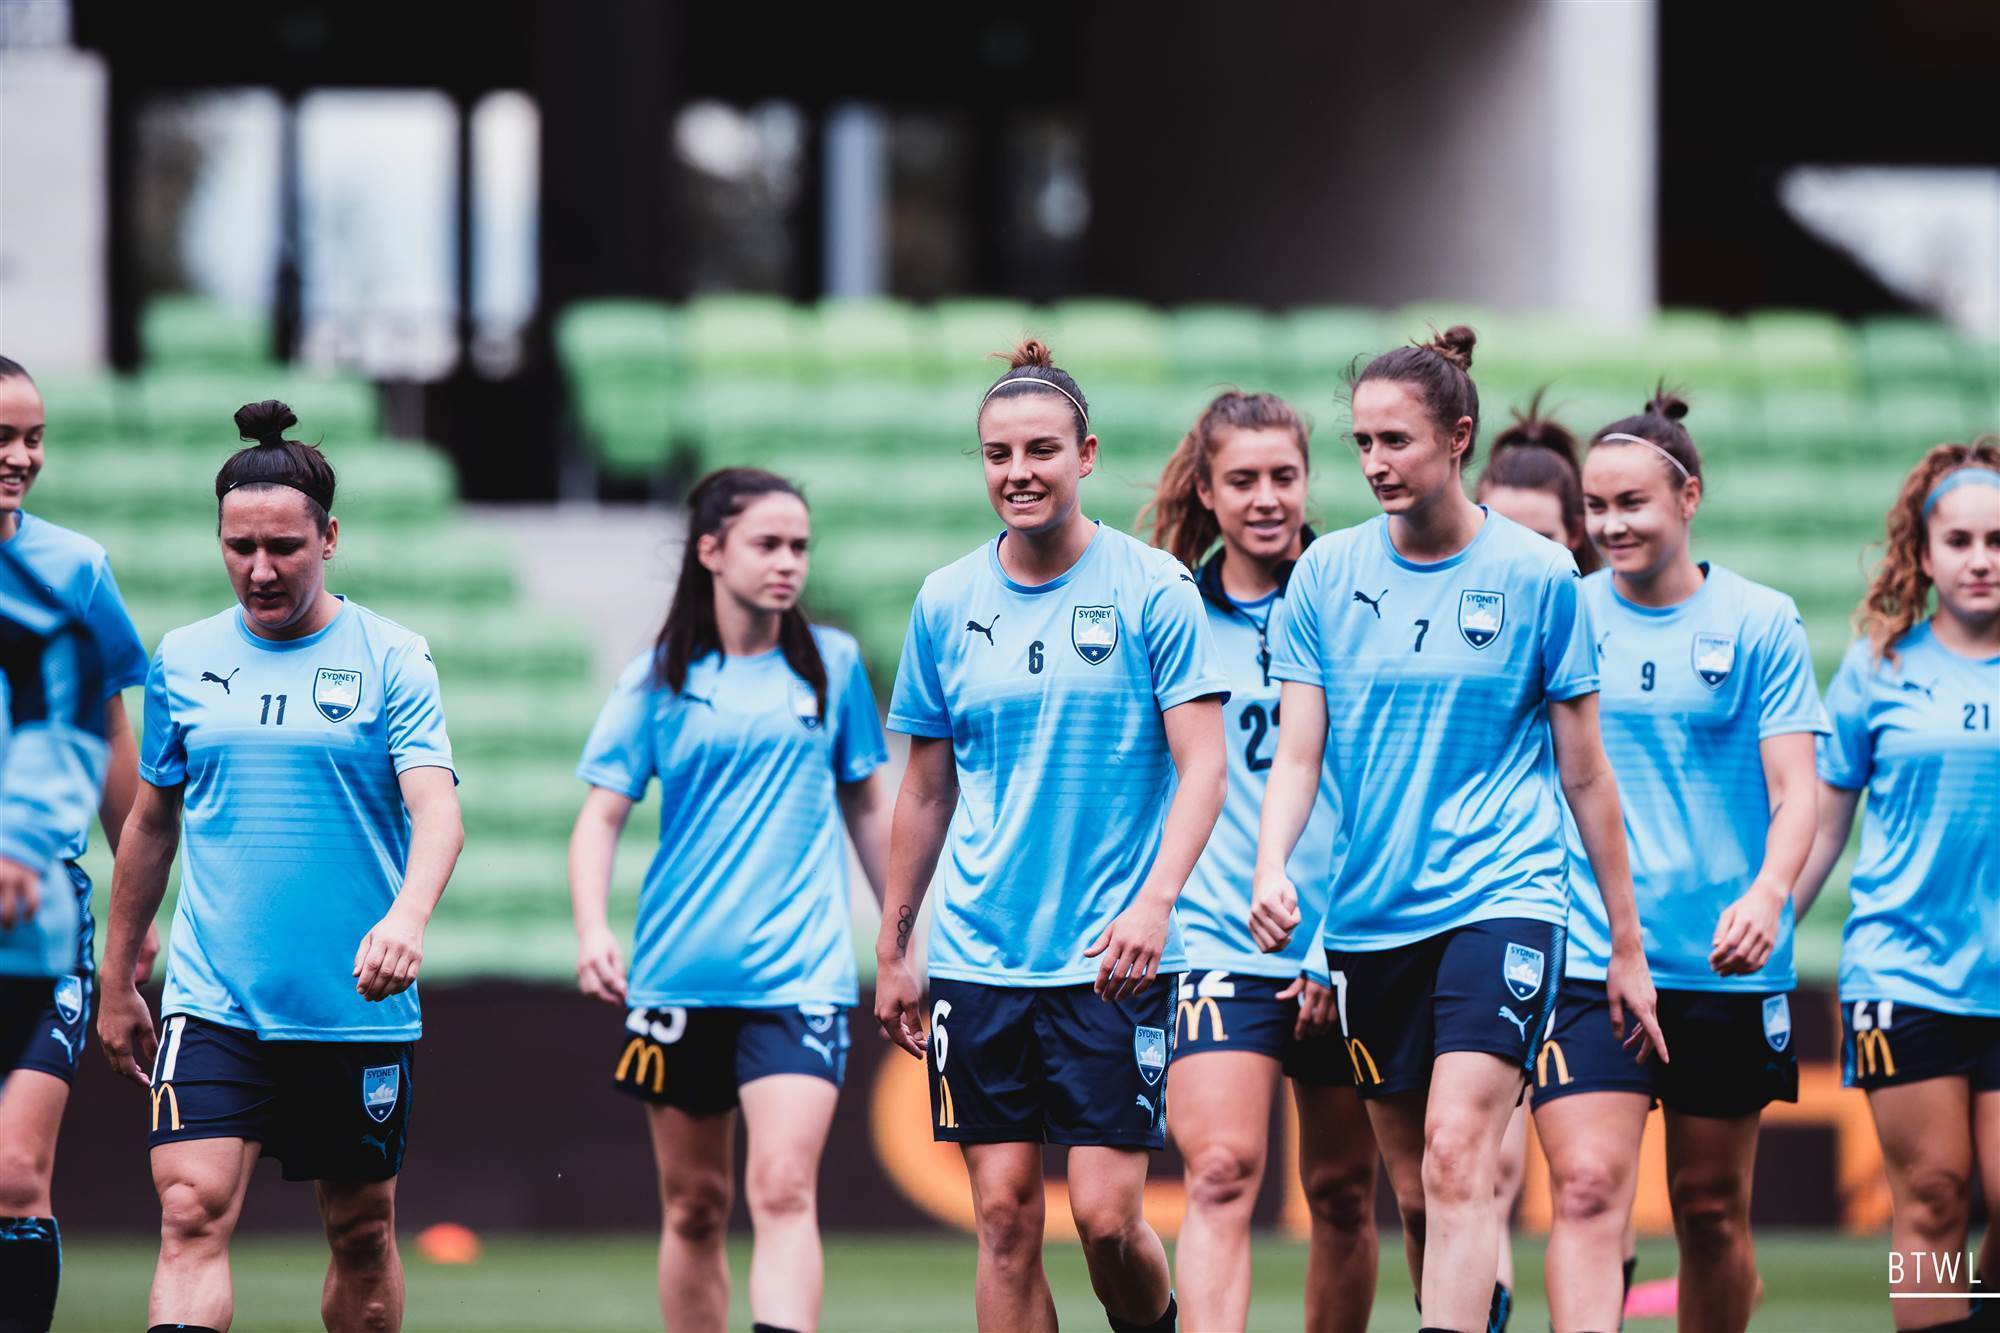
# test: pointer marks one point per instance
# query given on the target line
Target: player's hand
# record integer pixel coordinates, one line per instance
(20, 893)
(125, 1033)
(1747, 932)
(600, 972)
(386, 963)
(1131, 945)
(1628, 986)
(899, 1006)
(1274, 912)
(149, 950)
(1316, 1011)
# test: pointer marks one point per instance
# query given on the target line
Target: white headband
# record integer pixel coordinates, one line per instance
(1620, 437)
(1046, 384)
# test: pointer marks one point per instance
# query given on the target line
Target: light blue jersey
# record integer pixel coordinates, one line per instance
(1214, 909)
(745, 904)
(52, 758)
(1690, 692)
(1437, 677)
(294, 835)
(76, 569)
(1051, 695)
(1921, 735)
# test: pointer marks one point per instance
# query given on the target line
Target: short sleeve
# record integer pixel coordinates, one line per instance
(1846, 756)
(1297, 650)
(162, 743)
(917, 704)
(1180, 647)
(55, 756)
(620, 755)
(118, 645)
(1787, 695)
(1568, 647)
(415, 709)
(858, 745)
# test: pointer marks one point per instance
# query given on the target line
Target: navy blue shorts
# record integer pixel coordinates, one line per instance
(1226, 1011)
(1488, 986)
(327, 1110)
(694, 1060)
(53, 1039)
(1732, 1051)
(1887, 1042)
(1050, 1064)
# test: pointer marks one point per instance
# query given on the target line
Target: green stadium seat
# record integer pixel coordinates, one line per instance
(1314, 347)
(865, 340)
(1799, 349)
(622, 360)
(1698, 350)
(1903, 351)
(1225, 346)
(86, 409)
(155, 562)
(744, 337)
(968, 331)
(192, 409)
(193, 333)
(392, 485)
(514, 720)
(1102, 341)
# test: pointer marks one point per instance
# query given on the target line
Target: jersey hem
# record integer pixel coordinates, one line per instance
(747, 1000)
(903, 725)
(1190, 693)
(158, 777)
(1874, 994)
(236, 1022)
(1041, 980)
(1759, 984)
(1264, 971)
(1516, 912)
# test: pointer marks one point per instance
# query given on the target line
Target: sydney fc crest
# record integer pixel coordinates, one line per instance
(1149, 1048)
(336, 693)
(1480, 616)
(1778, 1021)
(1094, 632)
(805, 705)
(1522, 968)
(69, 999)
(380, 1086)
(1714, 658)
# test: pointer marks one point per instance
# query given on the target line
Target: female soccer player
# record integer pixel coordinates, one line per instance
(35, 1094)
(1422, 652)
(294, 749)
(1913, 725)
(1709, 714)
(759, 726)
(1053, 684)
(1239, 478)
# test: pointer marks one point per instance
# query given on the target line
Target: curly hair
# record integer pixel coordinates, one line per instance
(1899, 591)
(1181, 524)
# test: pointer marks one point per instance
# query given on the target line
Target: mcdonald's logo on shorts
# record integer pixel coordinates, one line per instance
(641, 1055)
(947, 1113)
(165, 1092)
(1871, 1054)
(1189, 1013)
(1551, 1051)
(1358, 1056)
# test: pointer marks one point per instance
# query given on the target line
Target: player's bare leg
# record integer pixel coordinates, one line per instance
(201, 1184)
(695, 1160)
(31, 1112)
(1011, 1291)
(1927, 1143)
(1337, 1172)
(1592, 1143)
(1128, 1264)
(1471, 1096)
(1986, 1143)
(1398, 1122)
(364, 1280)
(1709, 1162)
(785, 1121)
(1507, 1186)
(1221, 1122)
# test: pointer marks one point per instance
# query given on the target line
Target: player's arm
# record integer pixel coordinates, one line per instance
(146, 847)
(121, 785)
(1290, 790)
(593, 844)
(1748, 928)
(866, 809)
(1132, 944)
(917, 832)
(1836, 820)
(1592, 793)
(389, 956)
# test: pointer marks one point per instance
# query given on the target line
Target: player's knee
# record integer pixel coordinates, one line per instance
(1456, 1173)
(192, 1213)
(1106, 1225)
(1938, 1203)
(1586, 1190)
(696, 1209)
(1710, 1217)
(24, 1180)
(361, 1242)
(1222, 1178)
(1010, 1226)
(1342, 1197)
(784, 1185)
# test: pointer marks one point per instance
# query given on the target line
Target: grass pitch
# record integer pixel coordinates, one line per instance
(1814, 1283)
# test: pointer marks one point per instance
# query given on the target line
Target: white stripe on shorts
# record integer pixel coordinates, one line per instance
(170, 1051)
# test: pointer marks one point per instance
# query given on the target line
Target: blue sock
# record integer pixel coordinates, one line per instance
(1164, 1324)
(30, 1272)
(182, 1328)
(1501, 1310)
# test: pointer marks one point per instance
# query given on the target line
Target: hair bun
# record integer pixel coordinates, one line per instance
(265, 422)
(1667, 403)
(1031, 352)
(1455, 345)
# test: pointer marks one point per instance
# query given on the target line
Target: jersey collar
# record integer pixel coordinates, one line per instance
(1208, 578)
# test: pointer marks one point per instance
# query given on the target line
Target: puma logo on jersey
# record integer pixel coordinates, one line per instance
(974, 627)
(1145, 1105)
(1374, 603)
(699, 699)
(1914, 688)
(223, 681)
(1520, 1023)
(825, 1049)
